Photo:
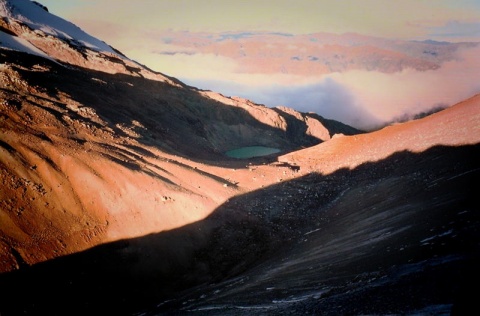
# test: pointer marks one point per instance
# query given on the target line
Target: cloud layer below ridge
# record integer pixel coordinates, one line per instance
(364, 99)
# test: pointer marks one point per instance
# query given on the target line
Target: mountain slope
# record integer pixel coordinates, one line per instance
(25, 24)
(82, 147)
(358, 229)
(117, 196)
(455, 126)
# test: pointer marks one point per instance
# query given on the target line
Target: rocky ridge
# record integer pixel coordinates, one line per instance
(79, 155)
(118, 195)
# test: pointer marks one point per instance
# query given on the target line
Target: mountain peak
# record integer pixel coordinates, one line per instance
(120, 195)
(41, 6)
(27, 26)
(36, 17)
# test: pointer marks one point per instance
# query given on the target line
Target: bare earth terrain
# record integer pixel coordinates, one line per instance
(117, 198)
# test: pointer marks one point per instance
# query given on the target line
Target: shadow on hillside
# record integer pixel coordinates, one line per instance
(177, 119)
(421, 197)
(297, 128)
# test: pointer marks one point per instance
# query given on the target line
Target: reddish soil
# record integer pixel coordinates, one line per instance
(116, 193)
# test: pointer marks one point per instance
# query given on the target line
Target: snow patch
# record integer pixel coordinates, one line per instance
(426, 240)
(19, 44)
(35, 17)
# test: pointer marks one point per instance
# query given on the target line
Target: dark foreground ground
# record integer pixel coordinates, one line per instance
(397, 236)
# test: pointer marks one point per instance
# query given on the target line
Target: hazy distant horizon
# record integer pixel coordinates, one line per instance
(359, 98)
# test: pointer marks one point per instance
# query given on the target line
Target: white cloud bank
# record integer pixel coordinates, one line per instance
(364, 99)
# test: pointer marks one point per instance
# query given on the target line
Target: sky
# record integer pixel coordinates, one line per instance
(135, 28)
(450, 20)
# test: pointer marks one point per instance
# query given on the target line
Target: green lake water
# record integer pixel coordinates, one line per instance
(250, 152)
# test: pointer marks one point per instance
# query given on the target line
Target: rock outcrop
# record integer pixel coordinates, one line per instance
(117, 194)
(96, 147)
